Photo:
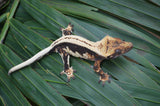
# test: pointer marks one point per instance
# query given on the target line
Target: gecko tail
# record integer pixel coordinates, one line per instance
(36, 57)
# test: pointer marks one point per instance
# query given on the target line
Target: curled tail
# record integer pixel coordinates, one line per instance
(36, 57)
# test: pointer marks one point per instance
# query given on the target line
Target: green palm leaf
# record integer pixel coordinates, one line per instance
(134, 82)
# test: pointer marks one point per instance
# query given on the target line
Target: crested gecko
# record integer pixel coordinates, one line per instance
(77, 46)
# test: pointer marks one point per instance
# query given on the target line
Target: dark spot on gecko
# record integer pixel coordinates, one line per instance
(65, 59)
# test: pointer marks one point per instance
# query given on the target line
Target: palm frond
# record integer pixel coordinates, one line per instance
(135, 76)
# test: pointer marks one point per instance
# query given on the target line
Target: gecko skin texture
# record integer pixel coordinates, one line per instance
(68, 44)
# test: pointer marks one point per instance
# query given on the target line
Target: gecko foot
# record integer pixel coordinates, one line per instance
(103, 78)
(69, 72)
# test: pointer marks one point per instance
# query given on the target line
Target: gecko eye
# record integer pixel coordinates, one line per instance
(118, 51)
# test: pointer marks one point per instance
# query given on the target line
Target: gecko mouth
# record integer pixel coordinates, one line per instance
(129, 47)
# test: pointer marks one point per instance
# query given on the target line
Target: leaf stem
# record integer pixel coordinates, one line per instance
(3, 102)
(3, 17)
(9, 16)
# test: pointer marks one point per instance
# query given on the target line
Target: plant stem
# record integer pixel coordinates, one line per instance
(9, 16)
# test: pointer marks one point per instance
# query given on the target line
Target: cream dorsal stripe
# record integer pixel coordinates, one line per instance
(80, 41)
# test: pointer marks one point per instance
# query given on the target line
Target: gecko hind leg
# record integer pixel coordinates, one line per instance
(103, 76)
(67, 69)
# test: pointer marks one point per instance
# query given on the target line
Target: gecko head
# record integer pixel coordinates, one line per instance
(68, 30)
(115, 47)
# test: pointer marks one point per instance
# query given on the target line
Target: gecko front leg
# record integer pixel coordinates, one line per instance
(67, 69)
(68, 30)
(103, 76)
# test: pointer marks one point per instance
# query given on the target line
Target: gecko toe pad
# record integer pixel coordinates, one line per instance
(103, 78)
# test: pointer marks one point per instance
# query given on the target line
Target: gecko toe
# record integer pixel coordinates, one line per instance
(62, 73)
(99, 81)
(74, 71)
(73, 77)
(109, 81)
(68, 80)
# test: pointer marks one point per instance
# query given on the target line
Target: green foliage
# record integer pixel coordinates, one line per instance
(34, 24)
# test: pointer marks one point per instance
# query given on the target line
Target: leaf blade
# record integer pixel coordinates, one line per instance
(33, 81)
